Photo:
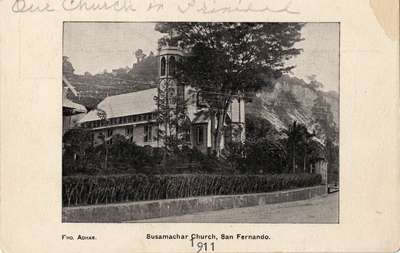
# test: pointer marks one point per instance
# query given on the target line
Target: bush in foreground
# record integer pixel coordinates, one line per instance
(91, 190)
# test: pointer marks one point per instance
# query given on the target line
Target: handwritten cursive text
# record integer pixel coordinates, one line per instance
(117, 5)
(21, 6)
(184, 6)
(212, 7)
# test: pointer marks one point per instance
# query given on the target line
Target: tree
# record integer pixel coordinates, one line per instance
(306, 139)
(262, 152)
(328, 131)
(139, 55)
(103, 118)
(321, 111)
(315, 153)
(68, 69)
(77, 144)
(302, 148)
(228, 60)
(266, 154)
(77, 141)
(257, 127)
(314, 83)
(145, 69)
(293, 136)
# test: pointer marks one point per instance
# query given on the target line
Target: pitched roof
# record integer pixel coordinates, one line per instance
(133, 103)
(77, 108)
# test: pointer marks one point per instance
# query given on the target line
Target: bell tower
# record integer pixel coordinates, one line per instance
(168, 61)
(170, 99)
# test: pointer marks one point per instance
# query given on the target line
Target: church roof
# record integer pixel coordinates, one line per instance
(133, 103)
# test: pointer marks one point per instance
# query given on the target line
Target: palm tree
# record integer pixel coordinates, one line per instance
(294, 135)
(306, 139)
(298, 142)
(103, 117)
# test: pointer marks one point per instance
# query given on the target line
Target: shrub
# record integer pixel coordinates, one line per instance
(262, 156)
(123, 157)
(189, 160)
(90, 190)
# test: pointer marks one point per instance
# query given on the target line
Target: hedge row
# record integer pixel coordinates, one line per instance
(91, 190)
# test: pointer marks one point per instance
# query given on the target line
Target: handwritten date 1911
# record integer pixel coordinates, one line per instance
(203, 246)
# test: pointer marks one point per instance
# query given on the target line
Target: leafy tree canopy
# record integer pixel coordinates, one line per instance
(230, 57)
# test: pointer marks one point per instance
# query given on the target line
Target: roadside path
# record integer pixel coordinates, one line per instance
(316, 210)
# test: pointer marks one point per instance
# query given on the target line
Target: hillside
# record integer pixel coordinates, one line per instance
(288, 99)
(93, 89)
(292, 99)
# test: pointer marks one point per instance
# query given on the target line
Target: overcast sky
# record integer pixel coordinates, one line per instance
(95, 47)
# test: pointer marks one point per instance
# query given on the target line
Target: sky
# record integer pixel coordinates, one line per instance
(95, 47)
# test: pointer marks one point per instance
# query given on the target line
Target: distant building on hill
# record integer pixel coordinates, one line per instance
(134, 115)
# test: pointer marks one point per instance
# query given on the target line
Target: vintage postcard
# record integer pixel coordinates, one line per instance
(199, 126)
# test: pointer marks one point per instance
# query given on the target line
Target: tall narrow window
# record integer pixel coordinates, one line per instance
(172, 66)
(109, 132)
(199, 135)
(187, 135)
(148, 133)
(201, 102)
(163, 65)
(129, 130)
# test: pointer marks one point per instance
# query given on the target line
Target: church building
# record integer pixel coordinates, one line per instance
(134, 115)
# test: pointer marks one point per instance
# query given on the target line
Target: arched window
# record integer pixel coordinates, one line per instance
(172, 66)
(163, 65)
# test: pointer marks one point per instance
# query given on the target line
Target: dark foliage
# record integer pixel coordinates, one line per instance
(78, 153)
(258, 127)
(189, 160)
(80, 157)
(90, 190)
(123, 157)
(268, 151)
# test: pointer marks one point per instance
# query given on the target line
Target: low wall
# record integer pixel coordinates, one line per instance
(171, 207)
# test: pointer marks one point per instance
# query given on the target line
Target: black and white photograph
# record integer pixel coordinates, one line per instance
(200, 122)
